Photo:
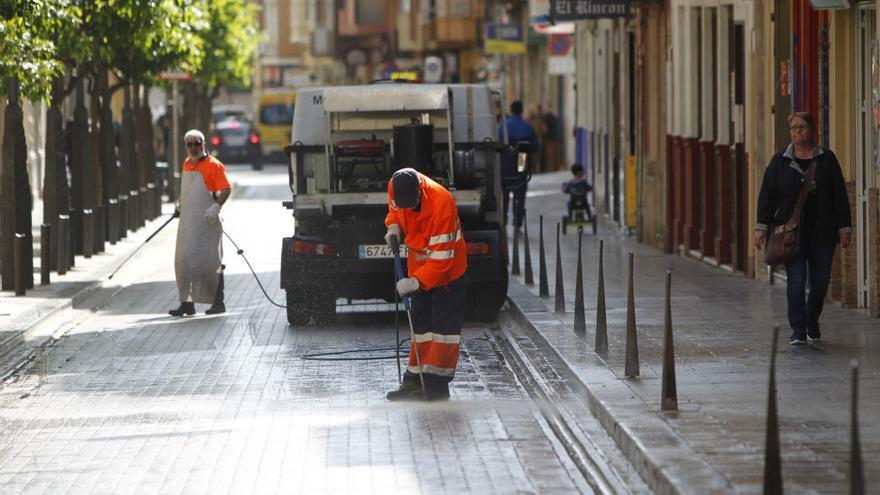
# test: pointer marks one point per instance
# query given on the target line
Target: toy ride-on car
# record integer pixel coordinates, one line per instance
(580, 215)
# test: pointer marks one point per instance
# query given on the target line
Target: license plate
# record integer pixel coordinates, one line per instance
(379, 251)
(236, 140)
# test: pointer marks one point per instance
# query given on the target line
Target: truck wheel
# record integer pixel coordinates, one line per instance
(299, 310)
(484, 300)
(324, 303)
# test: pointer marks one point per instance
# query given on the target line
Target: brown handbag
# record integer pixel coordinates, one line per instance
(784, 244)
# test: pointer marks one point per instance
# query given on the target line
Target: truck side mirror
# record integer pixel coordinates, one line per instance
(523, 148)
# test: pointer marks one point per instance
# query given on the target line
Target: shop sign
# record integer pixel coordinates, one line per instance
(574, 10)
(829, 4)
(504, 38)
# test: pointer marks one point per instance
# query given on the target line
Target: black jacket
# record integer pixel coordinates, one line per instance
(829, 212)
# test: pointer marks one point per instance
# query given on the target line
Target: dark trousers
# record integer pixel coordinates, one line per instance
(519, 204)
(813, 264)
(437, 318)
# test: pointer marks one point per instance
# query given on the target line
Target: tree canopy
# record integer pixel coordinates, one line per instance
(215, 40)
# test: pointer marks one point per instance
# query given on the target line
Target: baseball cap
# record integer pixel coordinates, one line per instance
(405, 187)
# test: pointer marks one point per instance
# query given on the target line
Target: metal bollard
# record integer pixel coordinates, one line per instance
(20, 264)
(141, 210)
(123, 216)
(151, 201)
(543, 285)
(100, 228)
(632, 344)
(63, 244)
(601, 346)
(88, 237)
(668, 391)
(580, 313)
(856, 471)
(113, 221)
(514, 269)
(772, 458)
(529, 277)
(560, 284)
(45, 254)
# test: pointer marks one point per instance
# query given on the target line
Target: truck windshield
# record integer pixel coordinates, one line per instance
(276, 114)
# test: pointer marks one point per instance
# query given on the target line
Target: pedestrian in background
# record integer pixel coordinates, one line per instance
(514, 181)
(551, 141)
(204, 189)
(536, 120)
(825, 221)
(425, 213)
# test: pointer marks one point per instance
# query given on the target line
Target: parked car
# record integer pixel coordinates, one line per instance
(223, 112)
(234, 140)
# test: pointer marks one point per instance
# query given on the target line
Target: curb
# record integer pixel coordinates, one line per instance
(662, 458)
(14, 351)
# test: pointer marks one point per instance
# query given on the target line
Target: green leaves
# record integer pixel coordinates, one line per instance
(215, 40)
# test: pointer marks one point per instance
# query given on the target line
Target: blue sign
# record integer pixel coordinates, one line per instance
(504, 38)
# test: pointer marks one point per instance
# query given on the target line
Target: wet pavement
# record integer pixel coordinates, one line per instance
(722, 330)
(121, 398)
(126, 399)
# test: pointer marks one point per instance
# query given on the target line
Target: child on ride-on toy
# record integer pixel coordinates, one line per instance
(577, 189)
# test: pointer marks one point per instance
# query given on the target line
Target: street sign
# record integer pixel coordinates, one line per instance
(433, 69)
(559, 44)
(560, 66)
(504, 38)
(175, 76)
(575, 10)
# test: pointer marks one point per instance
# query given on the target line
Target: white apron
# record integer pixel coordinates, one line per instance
(199, 244)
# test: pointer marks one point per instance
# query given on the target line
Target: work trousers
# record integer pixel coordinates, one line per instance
(437, 318)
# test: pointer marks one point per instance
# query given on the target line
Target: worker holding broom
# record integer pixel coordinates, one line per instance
(424, 213)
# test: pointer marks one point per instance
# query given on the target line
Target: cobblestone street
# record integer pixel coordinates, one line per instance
(131, 400)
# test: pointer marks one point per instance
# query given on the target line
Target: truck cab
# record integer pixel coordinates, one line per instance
(347, 141)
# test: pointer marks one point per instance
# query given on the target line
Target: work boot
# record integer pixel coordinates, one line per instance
(216, 309)
(218, 306)
(409, 390)
(186, 308)
(436, 393)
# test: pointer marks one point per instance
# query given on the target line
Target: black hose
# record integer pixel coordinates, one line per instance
(240, 252)
(327, 356)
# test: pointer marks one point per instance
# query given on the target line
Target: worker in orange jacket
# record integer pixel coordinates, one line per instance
(424, 213)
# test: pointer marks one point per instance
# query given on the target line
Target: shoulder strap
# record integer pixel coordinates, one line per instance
(795, 218)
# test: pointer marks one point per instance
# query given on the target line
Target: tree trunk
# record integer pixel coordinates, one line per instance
(127, 144)
(95, 144)
(55, 175)
(144, 127)
(109, 167)
(82, 171)
(205, 110)
(16, 203)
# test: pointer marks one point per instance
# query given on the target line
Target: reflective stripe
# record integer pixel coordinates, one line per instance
(427, 368)
(439, 338)
(450, 237)
(436, 255)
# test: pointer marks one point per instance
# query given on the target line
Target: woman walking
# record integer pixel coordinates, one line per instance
(825, 220)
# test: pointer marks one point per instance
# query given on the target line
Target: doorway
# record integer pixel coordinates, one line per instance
(866, 146)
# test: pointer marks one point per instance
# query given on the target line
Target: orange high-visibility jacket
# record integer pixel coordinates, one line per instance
(437, 250)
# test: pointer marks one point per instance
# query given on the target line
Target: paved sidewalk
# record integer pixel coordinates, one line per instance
(21, 318)
(722, 329)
